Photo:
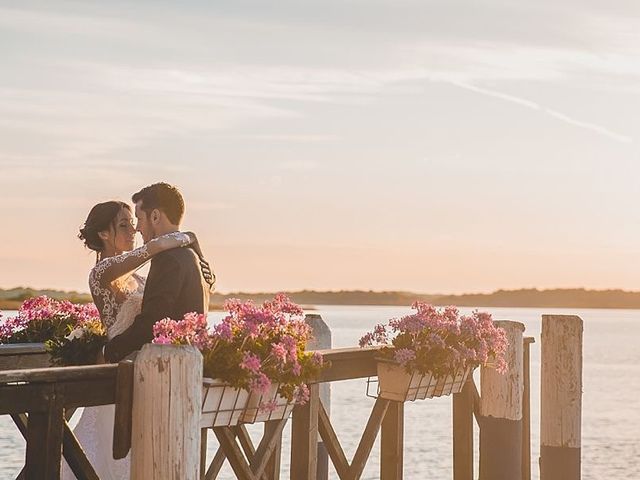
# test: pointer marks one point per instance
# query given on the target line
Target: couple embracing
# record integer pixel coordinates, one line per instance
(179, 282)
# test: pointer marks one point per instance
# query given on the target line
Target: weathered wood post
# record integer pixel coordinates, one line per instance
(321, 341)
(167, 401)
(501, 412)
(392, 442)
(561, 397)
(304, 437)
(463, 432)
(526, 409)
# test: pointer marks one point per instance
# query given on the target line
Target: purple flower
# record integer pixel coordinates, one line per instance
(404, 356)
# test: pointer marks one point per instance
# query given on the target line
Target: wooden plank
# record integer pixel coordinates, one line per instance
(349, 363)
(216, 464)
(19, 398)
(44, 440)
(203, 453)
(272, 472)
(20, 419)
(304, 437)
(368, 438)
(11, 349)
(526, 411)
(247, 444)
(59, 374)
(238, 463)
(71, 449)
(392, 442)
(21, 362)
(75, 456)
(123, 408)
(245, 441)
(331, 441)
(23, 398)
(463, 432)
(270, 441)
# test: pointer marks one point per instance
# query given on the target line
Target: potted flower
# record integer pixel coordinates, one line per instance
(59, 326)
(255, 364)
(431, 352)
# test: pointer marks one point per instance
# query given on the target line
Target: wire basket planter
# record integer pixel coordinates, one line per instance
(279, 407)
(226, 406)
(395, 383)
(222, 405)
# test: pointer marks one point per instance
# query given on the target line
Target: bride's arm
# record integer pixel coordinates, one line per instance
(109, 269)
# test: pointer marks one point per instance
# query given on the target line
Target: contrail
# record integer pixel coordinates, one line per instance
(553, 113)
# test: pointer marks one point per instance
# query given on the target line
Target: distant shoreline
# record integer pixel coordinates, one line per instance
(11, 299)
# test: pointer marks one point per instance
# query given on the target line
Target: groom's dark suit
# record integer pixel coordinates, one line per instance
(175, 286)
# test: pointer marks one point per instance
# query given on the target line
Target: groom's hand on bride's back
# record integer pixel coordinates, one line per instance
(205, 268)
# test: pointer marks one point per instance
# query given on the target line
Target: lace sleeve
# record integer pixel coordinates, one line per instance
(111, 268)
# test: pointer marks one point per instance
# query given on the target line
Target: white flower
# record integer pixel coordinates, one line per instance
(75, 333)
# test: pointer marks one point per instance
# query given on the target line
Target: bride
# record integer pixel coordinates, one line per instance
(117, 292)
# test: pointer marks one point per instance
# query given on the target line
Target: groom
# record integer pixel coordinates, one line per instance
(175, 285)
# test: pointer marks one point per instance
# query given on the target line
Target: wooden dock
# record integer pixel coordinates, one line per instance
(40, 399)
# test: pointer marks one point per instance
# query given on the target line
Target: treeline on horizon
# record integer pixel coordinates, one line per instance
(556, 298)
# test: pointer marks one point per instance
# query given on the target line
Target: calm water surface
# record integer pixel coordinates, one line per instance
(611, 409)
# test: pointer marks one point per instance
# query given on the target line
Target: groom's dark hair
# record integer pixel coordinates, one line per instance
(164, 197)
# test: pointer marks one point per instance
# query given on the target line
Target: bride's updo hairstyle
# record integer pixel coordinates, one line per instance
(101, 217)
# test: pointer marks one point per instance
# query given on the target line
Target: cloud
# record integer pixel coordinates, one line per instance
(549, 111)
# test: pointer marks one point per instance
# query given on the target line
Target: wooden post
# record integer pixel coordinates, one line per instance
(304, 437)
(44, 439)
(463, 432)
(321, 341)
(561, 397)
(203, 452)
(167, 401)
(501, 412)
(392, 442)
(526, 409)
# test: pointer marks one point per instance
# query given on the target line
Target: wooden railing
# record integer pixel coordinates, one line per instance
(37, 400)
(40, 401)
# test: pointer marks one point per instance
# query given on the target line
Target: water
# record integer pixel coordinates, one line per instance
(611, 422)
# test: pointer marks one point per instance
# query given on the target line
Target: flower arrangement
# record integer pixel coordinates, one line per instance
(440, 341)
(80, 346)
(42, 318)
(72, 334)
(254, 348)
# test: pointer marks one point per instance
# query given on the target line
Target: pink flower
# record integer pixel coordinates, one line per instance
(279, 351)
(260, 384)
(301, 394)
(223, 330)
(317, 358)
(268, 407)
(162, 340)
(251, 362)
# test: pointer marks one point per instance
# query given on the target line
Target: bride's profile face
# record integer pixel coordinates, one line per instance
(123, 233)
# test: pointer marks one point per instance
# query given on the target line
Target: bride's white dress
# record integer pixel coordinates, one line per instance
(94, 430)
(117, 292)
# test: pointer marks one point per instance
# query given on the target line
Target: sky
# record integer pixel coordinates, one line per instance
(430, 146)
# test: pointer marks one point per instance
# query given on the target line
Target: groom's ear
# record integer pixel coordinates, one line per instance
(155, 215)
